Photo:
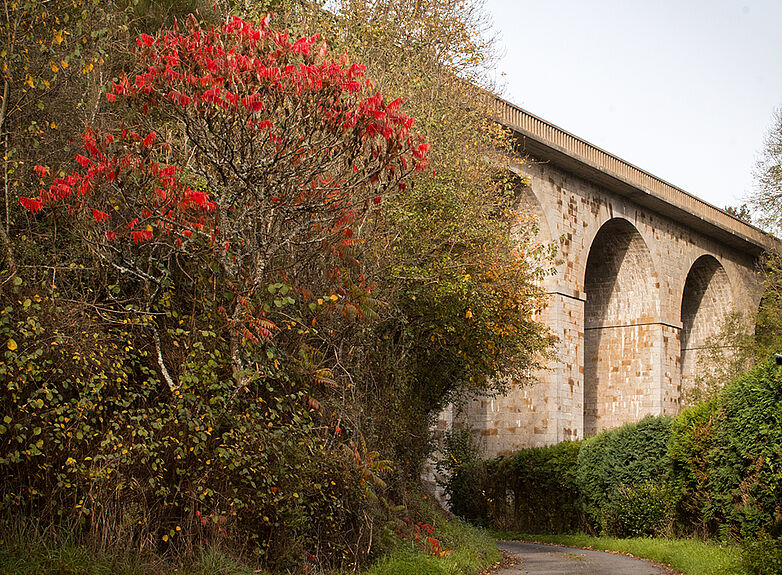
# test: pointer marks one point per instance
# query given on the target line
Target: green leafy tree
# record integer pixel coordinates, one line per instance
(724, 356)
(767, 201)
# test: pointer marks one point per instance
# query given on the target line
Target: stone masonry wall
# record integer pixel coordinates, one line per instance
(618, 313)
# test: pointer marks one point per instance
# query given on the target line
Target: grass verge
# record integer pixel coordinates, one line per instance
(27, 549)
(690, 556)
(467, 550)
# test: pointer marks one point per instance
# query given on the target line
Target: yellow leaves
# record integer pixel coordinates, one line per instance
(320, 301)
(58, 36)
(29, 81)
(468, 315)
(12, 345)
(55, 68)
(333, 297)
(64, 63)
(87, 68)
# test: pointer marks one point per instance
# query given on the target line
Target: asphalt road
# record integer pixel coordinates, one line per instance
(535, 559)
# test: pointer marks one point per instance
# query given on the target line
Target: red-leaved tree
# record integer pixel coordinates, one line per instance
(241, 146)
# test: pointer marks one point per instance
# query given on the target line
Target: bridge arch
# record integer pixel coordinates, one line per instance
(528, 203)
(706, 299)
(621, 320)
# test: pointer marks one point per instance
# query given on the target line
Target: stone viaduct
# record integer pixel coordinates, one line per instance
(645, 273)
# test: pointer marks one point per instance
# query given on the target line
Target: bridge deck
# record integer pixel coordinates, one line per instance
(545, 141)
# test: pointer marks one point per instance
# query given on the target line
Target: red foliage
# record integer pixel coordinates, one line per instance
(292, 146)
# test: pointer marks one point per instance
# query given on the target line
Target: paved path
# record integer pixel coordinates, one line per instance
(535, 559)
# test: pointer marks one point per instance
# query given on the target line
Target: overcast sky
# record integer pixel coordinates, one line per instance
(683, 89)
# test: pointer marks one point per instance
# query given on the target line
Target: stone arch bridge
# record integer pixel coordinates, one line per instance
(645, 273)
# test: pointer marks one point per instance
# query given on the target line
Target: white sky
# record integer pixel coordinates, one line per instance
(683, 89)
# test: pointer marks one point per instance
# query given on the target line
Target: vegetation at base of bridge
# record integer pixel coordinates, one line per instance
(26, 548)
(714, 472)
(242, 269)
(688, 556)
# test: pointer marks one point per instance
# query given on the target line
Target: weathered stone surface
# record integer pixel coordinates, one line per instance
(644, 276)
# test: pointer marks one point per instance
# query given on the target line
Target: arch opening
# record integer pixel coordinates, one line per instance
(620, 327)
(533, 219)
(706, 302)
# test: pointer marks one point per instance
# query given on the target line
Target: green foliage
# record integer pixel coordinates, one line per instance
(713, 471)
(763, 557)
(471, 490)
(465, 550)
(726, 455)
(542, 483)
(533, 491)
(644, 509)
(745, 484)
(631, 455)
(460, 473)
(692, 439)
(90, 434)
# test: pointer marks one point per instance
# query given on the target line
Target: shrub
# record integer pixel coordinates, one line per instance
(640, 510)
(763, 557)
(90, 435)
(692, 438)
(532, 491)
(542, 494)
(470, 489)
(631, 455)
(745, 484)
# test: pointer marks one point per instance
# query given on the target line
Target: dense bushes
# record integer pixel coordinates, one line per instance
(534, 491)
(715, 470)
(615, 473)
(90, 434)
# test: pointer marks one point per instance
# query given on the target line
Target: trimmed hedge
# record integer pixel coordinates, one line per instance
(533, 491)
(612, 468)
(715, 470)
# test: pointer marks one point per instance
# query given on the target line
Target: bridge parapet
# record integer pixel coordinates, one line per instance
(548, 142)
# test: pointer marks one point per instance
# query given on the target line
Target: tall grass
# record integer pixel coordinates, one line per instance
(28, 549)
